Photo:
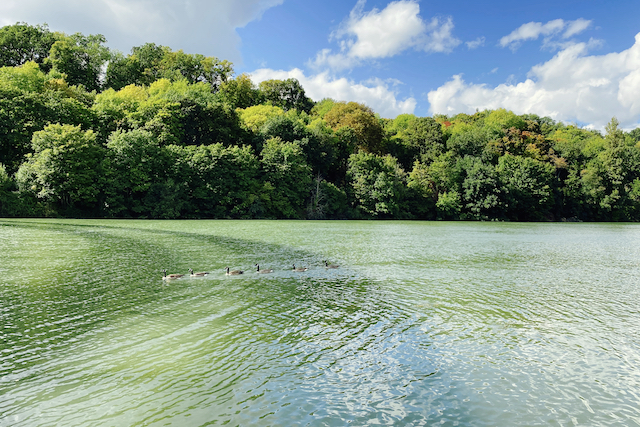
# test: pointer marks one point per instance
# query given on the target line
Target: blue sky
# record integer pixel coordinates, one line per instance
(575, 61)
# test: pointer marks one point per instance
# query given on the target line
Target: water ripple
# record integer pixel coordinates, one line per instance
(458, 324)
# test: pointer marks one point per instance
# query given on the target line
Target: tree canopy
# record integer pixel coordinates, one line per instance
(158, 133)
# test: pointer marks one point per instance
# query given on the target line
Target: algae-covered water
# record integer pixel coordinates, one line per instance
(423, 323)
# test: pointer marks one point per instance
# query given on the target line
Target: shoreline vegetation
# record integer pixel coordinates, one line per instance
(86, 132)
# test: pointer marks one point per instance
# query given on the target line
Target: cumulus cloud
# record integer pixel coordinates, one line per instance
(571, 87)
(474, 44)
(375, 93)
(196, 26)
(551, 31)
(385, 33)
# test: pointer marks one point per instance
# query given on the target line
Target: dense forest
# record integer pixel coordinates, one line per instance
(89, 132)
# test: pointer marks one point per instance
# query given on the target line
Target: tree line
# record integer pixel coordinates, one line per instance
(89, 132)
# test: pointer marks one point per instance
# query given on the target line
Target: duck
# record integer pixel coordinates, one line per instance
(170, 276)
(299, 269)
(268, 270)
(327, 265)
(198, 274)
(233, 272)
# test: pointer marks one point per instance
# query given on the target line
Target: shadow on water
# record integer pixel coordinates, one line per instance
(92, 321)
(454, 324)
(105, 269)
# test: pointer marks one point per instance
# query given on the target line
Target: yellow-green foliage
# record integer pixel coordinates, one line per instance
(128, 99)
(400, 123)
(502, 119)
(322, 107)
(26, 78)
(254, 117)
(361, 119)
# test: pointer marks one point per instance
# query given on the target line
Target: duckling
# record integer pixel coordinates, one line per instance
(170, 276)
(233, 272)
(198, 274)
(327, 265)
(263, 271)
(299, 269)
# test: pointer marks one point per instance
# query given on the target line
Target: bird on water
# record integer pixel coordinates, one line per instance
(299, 269)
(327, 265)
(233, 272)
(266, 270)
(198, 274)
(170, 276)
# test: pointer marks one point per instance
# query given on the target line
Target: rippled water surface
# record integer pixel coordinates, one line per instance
(469, 324)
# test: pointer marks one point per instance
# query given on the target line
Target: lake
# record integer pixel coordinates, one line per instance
(423, 323)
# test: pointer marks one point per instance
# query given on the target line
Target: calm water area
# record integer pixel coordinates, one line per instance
(423, 323)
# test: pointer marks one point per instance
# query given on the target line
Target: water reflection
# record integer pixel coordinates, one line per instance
(467, 324)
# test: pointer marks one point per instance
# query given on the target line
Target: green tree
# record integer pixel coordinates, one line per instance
(150, 62)
(345, 144)
(524, 143)
(362, 120)
(253, 118)
(29, 100)
(24, 78)
(21, 43)
(469, 141)
(123, 71)
(142, 67)
(500, 120)
(239, 92)
(65, 169)
(376, 184)
(527, 187)
(480, 190)
(221, 181)
(175, 112)
(435, 184)
(327, 201)
(287, 94)
(608, 179)
(5, 193)
(285, 127)
(321, 151)
(14, 203)
(287, 179)
(421, 138)
(81, 59)
(136, 168)
(148, 58)
(322, 107)
(195, 68)
(399, 124)
(114, 109)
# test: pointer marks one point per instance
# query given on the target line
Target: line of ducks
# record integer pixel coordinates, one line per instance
(230, 272)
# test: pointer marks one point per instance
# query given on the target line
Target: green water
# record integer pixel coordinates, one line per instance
(423, 323)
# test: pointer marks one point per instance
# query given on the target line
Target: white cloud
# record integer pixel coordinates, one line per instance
(385, 33)
(438, 37)
(576, 27)
(533, 30)
(571, 87)
(474, 44)
(374, 93)
(196, 26)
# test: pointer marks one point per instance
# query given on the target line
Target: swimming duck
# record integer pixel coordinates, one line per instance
(299, 268)
(198, 274)
(233, 272)
(327, 265)
(170, 276)
(263, 271)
